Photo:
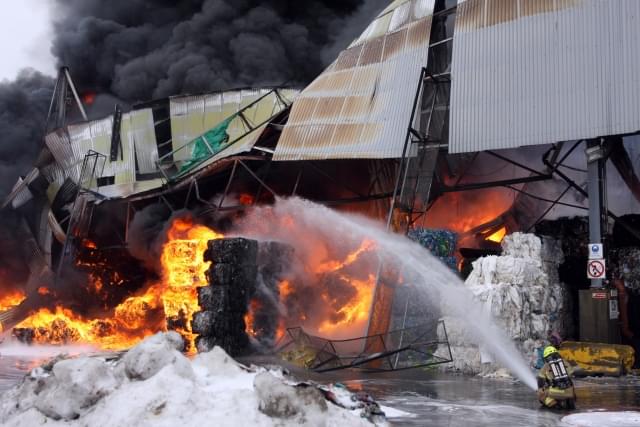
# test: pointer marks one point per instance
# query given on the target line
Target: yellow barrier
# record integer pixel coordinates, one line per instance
(587, 358)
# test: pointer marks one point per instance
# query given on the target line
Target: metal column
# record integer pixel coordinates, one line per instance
(596, 189)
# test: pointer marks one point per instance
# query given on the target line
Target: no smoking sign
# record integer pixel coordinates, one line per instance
(596, 269)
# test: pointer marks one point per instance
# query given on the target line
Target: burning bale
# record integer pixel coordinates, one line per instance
(232, 282)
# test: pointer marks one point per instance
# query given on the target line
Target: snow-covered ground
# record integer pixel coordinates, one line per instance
(426, 397)
(603, 419)
(154, 384)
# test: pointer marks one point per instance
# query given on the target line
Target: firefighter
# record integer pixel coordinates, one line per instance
(555, 388)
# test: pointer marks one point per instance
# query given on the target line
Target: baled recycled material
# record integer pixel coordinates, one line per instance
(522, 292)
(441, 243)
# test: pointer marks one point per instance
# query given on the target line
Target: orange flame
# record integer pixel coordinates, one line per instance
(498, 235)
(184, 270)
(174, 298)
(11, 299)
(461, 212)
(355, 311)
(249, 319)
(62, 326)
(350, 259)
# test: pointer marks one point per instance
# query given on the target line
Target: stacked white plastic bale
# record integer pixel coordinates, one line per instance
(522, 292)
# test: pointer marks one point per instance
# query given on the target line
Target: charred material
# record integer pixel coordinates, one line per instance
(232, 282)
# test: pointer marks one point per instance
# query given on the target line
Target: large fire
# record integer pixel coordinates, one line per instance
(11, 299)
(183, 271)
(354, 312)
(168, 303)
(340, 278)
(461, 212)
(345, 316)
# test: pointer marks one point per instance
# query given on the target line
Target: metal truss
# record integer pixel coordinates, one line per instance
(170, 167)
(397, 350)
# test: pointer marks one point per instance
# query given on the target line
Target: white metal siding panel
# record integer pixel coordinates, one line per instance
(143, 134)
(20, 194)
(192, 116)
(361, 105)
(532, 73)
(60, 147)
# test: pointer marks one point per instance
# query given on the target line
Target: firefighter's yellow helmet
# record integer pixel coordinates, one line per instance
(548, 351)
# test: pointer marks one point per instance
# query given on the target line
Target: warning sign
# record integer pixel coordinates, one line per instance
(596, 269)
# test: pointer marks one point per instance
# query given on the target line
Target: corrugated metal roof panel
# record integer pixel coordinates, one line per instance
(539, 72)
(141, 129)
(96, 136)
(192, 116)
(60, 147)
(19, 195)
(360, 106)
(53, 173)
(245, 115)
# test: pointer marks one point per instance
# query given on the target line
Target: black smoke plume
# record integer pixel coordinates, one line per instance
(137, 50)
(23, 110)
(145, 49)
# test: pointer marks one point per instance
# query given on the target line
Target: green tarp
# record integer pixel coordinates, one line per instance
(216, 138)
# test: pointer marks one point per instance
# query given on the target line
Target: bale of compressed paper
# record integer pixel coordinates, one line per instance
(224, 303)
(441, 243)
(521, 291)
(232, 274)
(236, 251)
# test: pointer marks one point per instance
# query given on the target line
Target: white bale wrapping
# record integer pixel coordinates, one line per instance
(522, 292)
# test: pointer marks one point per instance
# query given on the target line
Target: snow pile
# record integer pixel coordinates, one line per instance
(522, 292)
(155, 385)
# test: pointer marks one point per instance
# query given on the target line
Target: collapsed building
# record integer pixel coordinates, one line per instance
(419, 123)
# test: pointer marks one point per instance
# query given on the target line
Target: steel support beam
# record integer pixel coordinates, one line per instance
(503, 183)
(595, 183)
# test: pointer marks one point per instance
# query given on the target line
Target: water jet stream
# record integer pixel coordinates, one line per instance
(428, 273)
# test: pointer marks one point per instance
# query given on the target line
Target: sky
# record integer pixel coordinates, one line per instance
(25, 37)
